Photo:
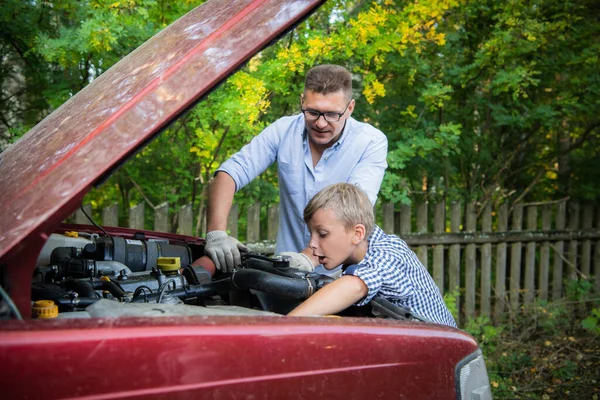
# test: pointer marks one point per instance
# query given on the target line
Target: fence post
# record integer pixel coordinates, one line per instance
(272, 221)
(375, 212)
(80, 218)
(405, 221)
(253, 228)
(454, 257)
(422, 228)
(470, 263)
(502, 226)
(486, 263)
(544, 256)
(185, 220)
(557, 268)
(232, 220)
(136, 216)
(161, 217)
(586, 246)
(388, 217)
(439, 224)
(515, 259)
(573, 244)
(530, 257)
(110, 215)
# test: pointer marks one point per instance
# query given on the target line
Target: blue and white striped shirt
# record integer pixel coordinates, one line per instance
(393, 271)
(358, 157)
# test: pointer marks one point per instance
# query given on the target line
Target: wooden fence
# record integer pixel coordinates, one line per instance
(497, 259)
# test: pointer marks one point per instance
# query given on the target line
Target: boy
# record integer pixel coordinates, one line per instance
(343, 232)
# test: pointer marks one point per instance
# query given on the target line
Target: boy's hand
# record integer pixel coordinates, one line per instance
(299, 261)
(224, 250)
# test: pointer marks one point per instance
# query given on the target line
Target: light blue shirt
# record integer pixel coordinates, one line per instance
(358, 157)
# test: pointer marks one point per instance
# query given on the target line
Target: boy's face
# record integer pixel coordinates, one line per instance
(331, 242)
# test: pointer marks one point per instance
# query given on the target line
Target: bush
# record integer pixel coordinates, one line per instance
(549, 351)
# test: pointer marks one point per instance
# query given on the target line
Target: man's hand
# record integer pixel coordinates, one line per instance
(299, 261)
(224, 250)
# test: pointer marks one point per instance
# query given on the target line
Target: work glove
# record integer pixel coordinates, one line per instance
(299, 261)
(224, 250)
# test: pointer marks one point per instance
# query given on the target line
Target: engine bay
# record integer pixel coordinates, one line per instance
(88, 275)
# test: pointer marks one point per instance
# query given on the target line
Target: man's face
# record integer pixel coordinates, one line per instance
(321, 132)
(330, 241)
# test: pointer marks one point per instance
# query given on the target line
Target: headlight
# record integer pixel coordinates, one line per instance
(472, 379)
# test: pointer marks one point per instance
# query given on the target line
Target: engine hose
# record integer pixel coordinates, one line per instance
(87, 288)
(295, 288)
(111, 286)
(203, 290)
(78, 302)
(266, 264)
(82, 287)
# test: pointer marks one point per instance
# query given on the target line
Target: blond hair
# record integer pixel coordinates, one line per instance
(350, 204)
(329, 78)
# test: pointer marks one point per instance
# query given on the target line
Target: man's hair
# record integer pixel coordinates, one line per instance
(350, 204)
(329, 78)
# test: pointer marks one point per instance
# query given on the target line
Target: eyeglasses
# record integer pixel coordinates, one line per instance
(330, 116)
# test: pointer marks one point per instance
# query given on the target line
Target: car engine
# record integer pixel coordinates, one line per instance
(83, 275)
(86, 275)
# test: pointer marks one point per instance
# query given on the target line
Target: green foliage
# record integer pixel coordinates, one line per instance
(451, 301)
(487, 334)
(579, 290)
(550, 316)
(592, 323)
(477, 99)
(51, 50)
(547, 351)
(503, 76)
(434, 95)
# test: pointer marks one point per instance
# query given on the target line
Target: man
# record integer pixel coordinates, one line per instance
(320, 146)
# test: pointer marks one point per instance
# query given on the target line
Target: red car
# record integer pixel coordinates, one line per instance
(118, 313)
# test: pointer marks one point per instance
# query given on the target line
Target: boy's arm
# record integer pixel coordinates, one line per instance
(333, 298)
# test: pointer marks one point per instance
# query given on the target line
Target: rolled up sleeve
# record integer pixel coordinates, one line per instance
(368, 173)
(254, 158)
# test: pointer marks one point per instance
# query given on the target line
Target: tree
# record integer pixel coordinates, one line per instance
(23, 72)
(479, 100)
(51, 50)
(514, 92)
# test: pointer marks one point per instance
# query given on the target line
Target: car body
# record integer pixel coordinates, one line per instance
(216, 343)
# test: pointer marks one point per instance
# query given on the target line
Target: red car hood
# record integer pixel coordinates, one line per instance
(45, 175)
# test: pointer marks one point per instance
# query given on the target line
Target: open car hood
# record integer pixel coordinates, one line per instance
(44, 176)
